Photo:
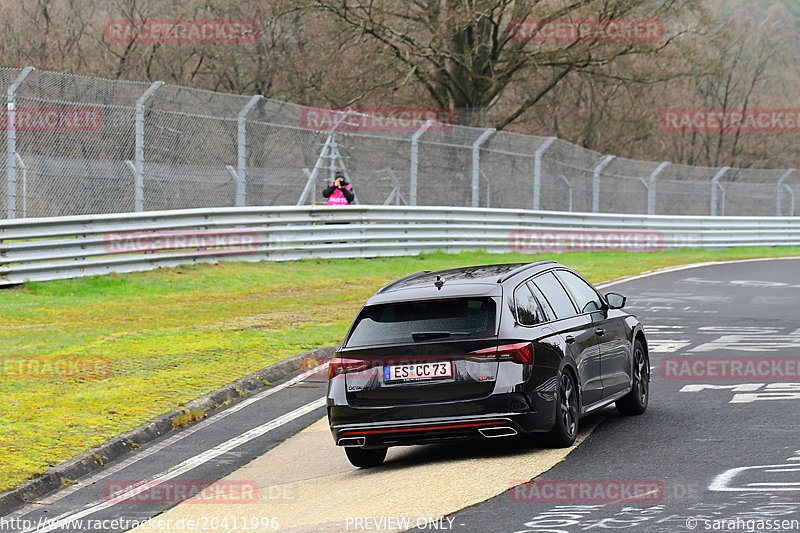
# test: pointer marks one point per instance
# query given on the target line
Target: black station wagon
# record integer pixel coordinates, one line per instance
(483, 352)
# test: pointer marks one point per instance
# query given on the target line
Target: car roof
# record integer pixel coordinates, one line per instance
(479, 280)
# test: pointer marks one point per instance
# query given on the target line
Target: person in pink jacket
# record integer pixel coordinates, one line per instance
(339, 192)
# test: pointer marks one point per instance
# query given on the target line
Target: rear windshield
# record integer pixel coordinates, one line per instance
(395, 323)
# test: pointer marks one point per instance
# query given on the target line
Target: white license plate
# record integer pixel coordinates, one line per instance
(419, 371)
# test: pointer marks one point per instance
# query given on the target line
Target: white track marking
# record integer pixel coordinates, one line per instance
(687, 267)
(189, 464)
(723, 482)
(105, 472)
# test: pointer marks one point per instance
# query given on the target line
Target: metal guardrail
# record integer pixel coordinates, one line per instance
(40, 249)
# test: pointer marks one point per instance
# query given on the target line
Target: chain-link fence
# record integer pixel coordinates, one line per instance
(83, 145)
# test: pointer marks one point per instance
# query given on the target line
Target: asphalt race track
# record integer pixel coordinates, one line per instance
(726, 452)
(717, 450)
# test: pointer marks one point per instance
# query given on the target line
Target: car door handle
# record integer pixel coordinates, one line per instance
(600, 332)
(570, 339)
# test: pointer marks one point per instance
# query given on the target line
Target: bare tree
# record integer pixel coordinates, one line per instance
(747, 75)
(465, 54)
(47, 33)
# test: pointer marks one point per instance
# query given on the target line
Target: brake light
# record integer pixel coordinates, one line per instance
(343, 365)
(487, 353)
(521, 353)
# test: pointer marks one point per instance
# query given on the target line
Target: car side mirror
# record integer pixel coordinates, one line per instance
(615, 301)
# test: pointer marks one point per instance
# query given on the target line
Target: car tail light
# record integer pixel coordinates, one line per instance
(343, 365)
(521, 353)
(487, 353)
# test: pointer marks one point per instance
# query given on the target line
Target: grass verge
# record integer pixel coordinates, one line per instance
(160, 339)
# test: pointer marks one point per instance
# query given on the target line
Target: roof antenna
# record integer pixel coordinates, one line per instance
(439, 283)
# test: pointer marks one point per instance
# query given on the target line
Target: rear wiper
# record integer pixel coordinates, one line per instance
(425, 335)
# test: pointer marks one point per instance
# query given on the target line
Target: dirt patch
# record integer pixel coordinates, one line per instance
(282, 318)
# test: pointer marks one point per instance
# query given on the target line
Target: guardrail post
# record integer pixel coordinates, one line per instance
(415, 161)
(476, 164)
(596, 182)
(138, 190)
(537, 171)
(11, 160)
(241, 147)
(714, 185)
(651, 189)
(780, 192)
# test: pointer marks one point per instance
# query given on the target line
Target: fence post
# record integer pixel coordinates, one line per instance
(24, 185)
(714, 185)
(11, 159)
(537, 171)
(791, 200)
(651, 190)
(415, 161)
(780, 191)
(476, 164)
(241, 147)
(569, 191)
(138, 190)
(596, 182)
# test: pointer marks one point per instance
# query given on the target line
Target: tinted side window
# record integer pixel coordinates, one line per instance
(546, 309)
(556, 295)
(528, 311)
(585, 296)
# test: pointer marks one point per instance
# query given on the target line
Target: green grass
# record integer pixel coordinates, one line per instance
(172, 335)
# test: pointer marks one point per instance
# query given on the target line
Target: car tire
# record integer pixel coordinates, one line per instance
(635, 402)
(365, 457)
(565, 428)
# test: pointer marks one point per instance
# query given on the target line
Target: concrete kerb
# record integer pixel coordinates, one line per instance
(66, 473)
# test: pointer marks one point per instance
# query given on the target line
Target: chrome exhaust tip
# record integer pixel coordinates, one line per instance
(352, 441)
(495, 432)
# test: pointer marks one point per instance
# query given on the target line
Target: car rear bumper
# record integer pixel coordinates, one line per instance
(440, 429)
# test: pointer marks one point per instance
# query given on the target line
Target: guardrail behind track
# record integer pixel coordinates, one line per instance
(40, 249)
